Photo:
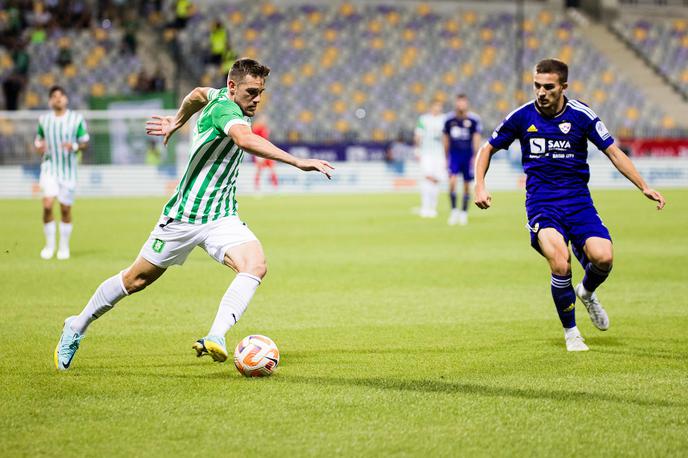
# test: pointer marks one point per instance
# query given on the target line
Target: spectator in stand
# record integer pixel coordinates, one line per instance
(130, 40)
(38, 35)
(14, 83)
(39, 17)
(157, 81)
(218, 43)
(228, 60)
(142, 82)
(64, 54)
(183, 11)
(79, 13)
(153, 156)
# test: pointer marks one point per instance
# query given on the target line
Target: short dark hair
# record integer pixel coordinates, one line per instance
(55, 89)
(246, 66)
(554, 66)
(461, 95)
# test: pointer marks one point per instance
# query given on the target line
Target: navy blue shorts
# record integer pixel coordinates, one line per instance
(577, 223)
(461, 165)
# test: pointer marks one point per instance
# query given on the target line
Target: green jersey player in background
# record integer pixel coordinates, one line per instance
(61, 135)
(203, 210)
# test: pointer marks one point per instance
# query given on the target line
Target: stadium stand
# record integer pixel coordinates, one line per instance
(663, 41)
(333, 62)
(346, 71)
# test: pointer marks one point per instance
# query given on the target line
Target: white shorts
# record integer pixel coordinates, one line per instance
(434, 166)
(171, 241)
(54, 187)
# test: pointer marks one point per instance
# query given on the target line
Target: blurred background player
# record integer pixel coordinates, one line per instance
(430, 152)
(260, 127)
(60, 136)
(203, 211)
(462, 137)
(554, 132)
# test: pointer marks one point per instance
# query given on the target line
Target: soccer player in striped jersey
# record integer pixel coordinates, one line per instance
(430, 152)
(61, 135)
(554, 132)
(203, 210)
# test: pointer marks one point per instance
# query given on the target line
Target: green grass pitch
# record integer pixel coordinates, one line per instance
(399, 336)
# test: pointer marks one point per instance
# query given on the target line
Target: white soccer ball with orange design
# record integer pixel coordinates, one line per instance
(256, 356)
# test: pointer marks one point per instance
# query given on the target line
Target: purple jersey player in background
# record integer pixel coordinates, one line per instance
(461, 140)
(554, 133)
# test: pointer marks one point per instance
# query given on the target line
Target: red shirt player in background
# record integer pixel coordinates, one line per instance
(260, 127)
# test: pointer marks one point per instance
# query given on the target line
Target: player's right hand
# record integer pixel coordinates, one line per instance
(318, 165)
(161, 126)
(483, 199)
(656, 196)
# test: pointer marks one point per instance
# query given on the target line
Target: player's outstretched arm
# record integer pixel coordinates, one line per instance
(483, 199)
(257, 145)
(165, 126)
(624, 165)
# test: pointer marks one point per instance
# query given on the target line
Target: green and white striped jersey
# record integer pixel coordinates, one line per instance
(207, 190)
(56, 131)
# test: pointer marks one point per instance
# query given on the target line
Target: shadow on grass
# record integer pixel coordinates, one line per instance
(437, 386)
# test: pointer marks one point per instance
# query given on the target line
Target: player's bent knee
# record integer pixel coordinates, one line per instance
(604, 260)
(259, 269)
(560, 265)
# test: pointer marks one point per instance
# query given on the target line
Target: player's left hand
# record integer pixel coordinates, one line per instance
(69, 146)
(161, 126)
(656, 196)
(318, 165)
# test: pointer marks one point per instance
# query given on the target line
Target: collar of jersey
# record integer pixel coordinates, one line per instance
(561, 112)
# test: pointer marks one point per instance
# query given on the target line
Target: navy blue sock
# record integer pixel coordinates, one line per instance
(564, 299)
(452, 198)
(594, 277)
(464, 203)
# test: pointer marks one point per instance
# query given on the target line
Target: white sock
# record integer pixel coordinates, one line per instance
(65, 233)
(49, 231)
(434, 195)
(106, 296)
(423, 195)
(570, 332)
(234, 303)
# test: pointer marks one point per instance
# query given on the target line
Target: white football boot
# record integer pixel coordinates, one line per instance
(575, 341)
(597, 314)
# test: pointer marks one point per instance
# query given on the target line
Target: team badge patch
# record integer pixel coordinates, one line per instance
(565, 127)
(158, 245)
(602, 130)
(532, 128)
(466, 123)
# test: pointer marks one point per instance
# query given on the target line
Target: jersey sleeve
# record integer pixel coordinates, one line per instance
(504, 134)
(40, 133)
(599, 135)
(82, 131)
(445, 128)
(213, 93)
(226, 115)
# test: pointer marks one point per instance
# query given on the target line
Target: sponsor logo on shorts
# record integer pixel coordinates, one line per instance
(158, 245)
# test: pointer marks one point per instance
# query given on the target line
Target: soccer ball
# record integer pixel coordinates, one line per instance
(256, 356)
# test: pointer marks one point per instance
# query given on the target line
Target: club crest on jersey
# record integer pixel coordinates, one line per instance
(565, 127)
(466, 123)
(158, 245)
